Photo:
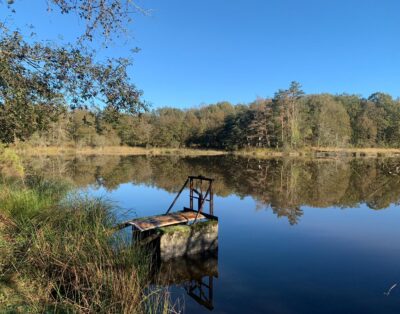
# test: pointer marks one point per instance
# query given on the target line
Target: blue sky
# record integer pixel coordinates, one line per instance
(195, 52)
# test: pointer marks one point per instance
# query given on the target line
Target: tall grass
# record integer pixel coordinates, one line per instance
(65, 255)
(10, 163)
(25, 199)
(113, 150)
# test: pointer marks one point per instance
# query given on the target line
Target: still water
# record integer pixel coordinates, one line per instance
(295, 235)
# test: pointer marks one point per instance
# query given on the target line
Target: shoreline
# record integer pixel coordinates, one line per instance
(315, 152)
(114, 150)
(322, 152)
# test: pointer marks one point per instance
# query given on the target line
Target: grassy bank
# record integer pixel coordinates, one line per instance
(113, 150)
(62, 255)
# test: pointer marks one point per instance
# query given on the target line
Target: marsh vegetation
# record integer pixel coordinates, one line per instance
(59, 252)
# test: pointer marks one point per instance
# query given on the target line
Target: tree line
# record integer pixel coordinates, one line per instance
(50, 94)
(289, 120)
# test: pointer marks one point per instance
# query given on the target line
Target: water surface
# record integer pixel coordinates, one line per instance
(295, 235)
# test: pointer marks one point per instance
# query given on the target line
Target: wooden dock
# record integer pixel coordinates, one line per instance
(189, 215)
(176, 218)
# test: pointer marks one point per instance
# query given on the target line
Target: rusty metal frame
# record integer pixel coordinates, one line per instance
(198, 195)
(177, 196)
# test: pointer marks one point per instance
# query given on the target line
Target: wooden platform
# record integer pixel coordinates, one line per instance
(149, 223)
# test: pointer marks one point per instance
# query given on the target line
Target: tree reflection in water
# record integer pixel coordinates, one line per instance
(282, 184)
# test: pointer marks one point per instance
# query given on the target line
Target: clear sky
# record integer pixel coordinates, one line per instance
(204, 51)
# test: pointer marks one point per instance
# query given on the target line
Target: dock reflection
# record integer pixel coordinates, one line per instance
(195, 273)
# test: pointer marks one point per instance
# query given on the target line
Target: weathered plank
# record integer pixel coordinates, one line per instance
(149, 223)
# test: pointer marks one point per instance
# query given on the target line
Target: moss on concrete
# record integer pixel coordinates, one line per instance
(197, 227)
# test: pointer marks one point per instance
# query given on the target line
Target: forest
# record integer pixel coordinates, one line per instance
(287, 121)
(64, 95)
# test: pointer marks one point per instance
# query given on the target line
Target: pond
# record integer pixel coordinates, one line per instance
(295, 235)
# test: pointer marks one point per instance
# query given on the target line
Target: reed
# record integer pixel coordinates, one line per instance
(63, 255)
(112, 150)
